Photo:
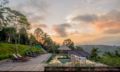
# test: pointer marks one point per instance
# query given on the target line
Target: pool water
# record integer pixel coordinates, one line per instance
(62, 60)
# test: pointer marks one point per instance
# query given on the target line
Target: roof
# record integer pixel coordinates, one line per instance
(64, 48)
(79, 53)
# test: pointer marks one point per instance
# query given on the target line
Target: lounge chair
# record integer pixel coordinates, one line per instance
(31, 54)
(19, 58)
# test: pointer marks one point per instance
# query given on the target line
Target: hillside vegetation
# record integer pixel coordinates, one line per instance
(6, 50)
(108, 58)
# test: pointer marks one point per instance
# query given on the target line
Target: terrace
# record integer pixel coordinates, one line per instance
(65, 58)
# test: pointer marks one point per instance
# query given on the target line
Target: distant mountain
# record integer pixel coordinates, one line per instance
(101, 48)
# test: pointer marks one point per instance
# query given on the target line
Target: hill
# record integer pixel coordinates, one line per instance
(101, 48)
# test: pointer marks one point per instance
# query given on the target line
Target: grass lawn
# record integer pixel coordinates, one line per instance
(6, 50)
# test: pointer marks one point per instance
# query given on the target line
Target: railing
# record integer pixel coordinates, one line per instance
(71, 65)
(82, 69)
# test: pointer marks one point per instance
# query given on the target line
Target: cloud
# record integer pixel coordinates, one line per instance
(84, 18)
(112, 31)
(39, 25)
(61, 29)
(108, 23)
(36, 11)
(43, 25)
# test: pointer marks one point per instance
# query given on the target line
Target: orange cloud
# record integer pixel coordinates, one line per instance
(109, 23)
(76, 38)
(104, 26)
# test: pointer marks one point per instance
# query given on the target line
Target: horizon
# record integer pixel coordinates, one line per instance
(83, 21)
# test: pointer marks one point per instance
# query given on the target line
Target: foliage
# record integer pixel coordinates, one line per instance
(9, 35)
(108, 54)
(78, 48)
(94, 54)
(23, 36)
(45, 40)
(6, 34)
(117, 53)
(108, 58)
(13, 25)
(13, 29)
(13, 20)
(69, 43)
(9, 17)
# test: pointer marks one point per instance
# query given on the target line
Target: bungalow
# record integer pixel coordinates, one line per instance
(77, 55)
(67, 50)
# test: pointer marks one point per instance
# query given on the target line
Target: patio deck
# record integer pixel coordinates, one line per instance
(35, 64)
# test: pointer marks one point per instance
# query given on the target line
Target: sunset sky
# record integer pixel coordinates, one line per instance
(83, 21)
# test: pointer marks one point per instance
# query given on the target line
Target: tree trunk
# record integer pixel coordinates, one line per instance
(16, 47)
(9, 38)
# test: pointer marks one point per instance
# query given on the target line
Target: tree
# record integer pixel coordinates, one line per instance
(2, 11)
(45, 40)
(69, 43)
(7, 34)
(94, 54)
(39, 34)
(79, 48)
(55, 47)
(3, 2)
(10, 31)
(23, 36)
(19, 21)
(32, 39)
(12, 18)
(48, 43)
(117, 53)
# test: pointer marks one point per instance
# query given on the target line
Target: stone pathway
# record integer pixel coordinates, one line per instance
(35, 64)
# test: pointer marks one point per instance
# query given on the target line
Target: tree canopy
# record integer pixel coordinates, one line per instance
(69, 43)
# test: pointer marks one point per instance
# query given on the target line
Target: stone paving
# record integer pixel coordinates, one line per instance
(35, 64)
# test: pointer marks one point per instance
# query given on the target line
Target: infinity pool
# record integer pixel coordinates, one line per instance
(62, 60)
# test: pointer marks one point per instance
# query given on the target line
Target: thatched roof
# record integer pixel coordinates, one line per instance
(64, 48)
